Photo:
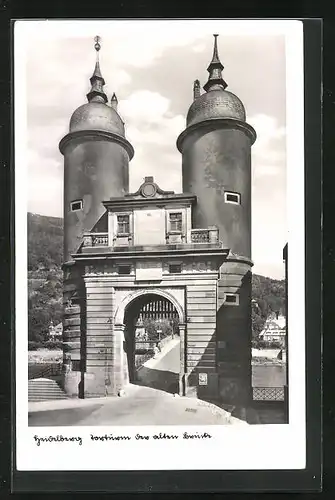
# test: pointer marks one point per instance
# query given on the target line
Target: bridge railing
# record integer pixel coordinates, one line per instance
(268, 393)
(44, 370)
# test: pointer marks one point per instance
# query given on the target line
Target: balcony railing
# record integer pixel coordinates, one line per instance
(95, 240)
(208, 236)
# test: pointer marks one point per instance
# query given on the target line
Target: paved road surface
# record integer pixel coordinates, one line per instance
(150, 402)
(164, 375)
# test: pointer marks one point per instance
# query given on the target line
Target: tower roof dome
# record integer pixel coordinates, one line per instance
(216, 104)
(97, 116)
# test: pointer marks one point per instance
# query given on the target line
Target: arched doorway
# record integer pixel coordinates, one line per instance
(153, 334)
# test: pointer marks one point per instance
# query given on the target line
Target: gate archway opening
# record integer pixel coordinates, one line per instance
(152, 327)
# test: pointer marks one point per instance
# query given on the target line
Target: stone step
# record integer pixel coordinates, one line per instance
(51, 393)
(33, 399)
(44, 389)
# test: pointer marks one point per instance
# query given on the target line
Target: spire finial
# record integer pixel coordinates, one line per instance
(215, 80)
(96, 93)
(97, 45)
(196, 89)
(114, 101)
(215, 51)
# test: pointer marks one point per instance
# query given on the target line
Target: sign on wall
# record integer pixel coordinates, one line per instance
(148, 271)
(149, 227)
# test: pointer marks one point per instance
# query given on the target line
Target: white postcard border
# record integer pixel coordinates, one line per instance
(231, 447)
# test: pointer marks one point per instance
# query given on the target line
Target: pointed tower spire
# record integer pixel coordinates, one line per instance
(196, 89)
(114, 101)
(96, 93)
(215, 80)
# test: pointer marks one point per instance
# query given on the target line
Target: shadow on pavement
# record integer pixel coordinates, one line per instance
(62, 417)
(158, 379)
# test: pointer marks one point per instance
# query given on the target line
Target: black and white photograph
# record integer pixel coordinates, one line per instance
(159, 244)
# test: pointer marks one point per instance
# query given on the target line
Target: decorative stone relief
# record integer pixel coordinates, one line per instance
(67, 274)
(98, 269)
(194, 266)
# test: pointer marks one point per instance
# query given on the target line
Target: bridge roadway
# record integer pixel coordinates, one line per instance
(149, 401)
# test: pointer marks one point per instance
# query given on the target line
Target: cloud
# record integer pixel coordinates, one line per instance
(150, 45)
(269, 150)
(153, 130)
(268, 133)
(269, 231)
(145, 106)
(200, 47)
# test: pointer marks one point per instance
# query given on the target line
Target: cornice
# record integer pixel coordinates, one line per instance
(94, 135)
(214, 124)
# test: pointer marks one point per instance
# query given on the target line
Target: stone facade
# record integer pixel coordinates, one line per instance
(100, 320)
(191, 249)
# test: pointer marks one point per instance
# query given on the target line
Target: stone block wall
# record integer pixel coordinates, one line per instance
(200, 356)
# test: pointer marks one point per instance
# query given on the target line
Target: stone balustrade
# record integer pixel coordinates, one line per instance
(198, 236)
(95, 240)
(209, 235)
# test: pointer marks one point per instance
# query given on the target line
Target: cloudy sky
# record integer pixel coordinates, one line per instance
(151, 68)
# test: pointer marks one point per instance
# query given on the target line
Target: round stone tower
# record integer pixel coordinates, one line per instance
(216, 166)
(96, 157)
(96, 167)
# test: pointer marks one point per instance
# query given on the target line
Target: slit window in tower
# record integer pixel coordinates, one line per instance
(174, 268)
(76, 205)
(230, 197)
(123, 224)
(176, 221)
(232, 299)
(124, 269)
(76, 365)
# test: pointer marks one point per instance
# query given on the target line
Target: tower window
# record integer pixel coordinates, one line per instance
(123, 269)
(230, 197)
(232, 299)
(76, 205)
(174, 268)
(76, 365)
(176, 221)
(123, 224)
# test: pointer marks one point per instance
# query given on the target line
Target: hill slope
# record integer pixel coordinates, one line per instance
(45, 242)
(45, 253)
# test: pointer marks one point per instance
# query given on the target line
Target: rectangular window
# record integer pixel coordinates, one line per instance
(174, 268)
(76, 365)
(123, 224)
(124, 269)
(76, 205)
(176, 221)
(230, 197)
(232, 299)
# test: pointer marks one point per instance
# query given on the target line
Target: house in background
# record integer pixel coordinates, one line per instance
(55, 332)
(274, 329)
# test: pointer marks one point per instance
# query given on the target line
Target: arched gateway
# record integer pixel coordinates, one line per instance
(160, 310)
(142, 294)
